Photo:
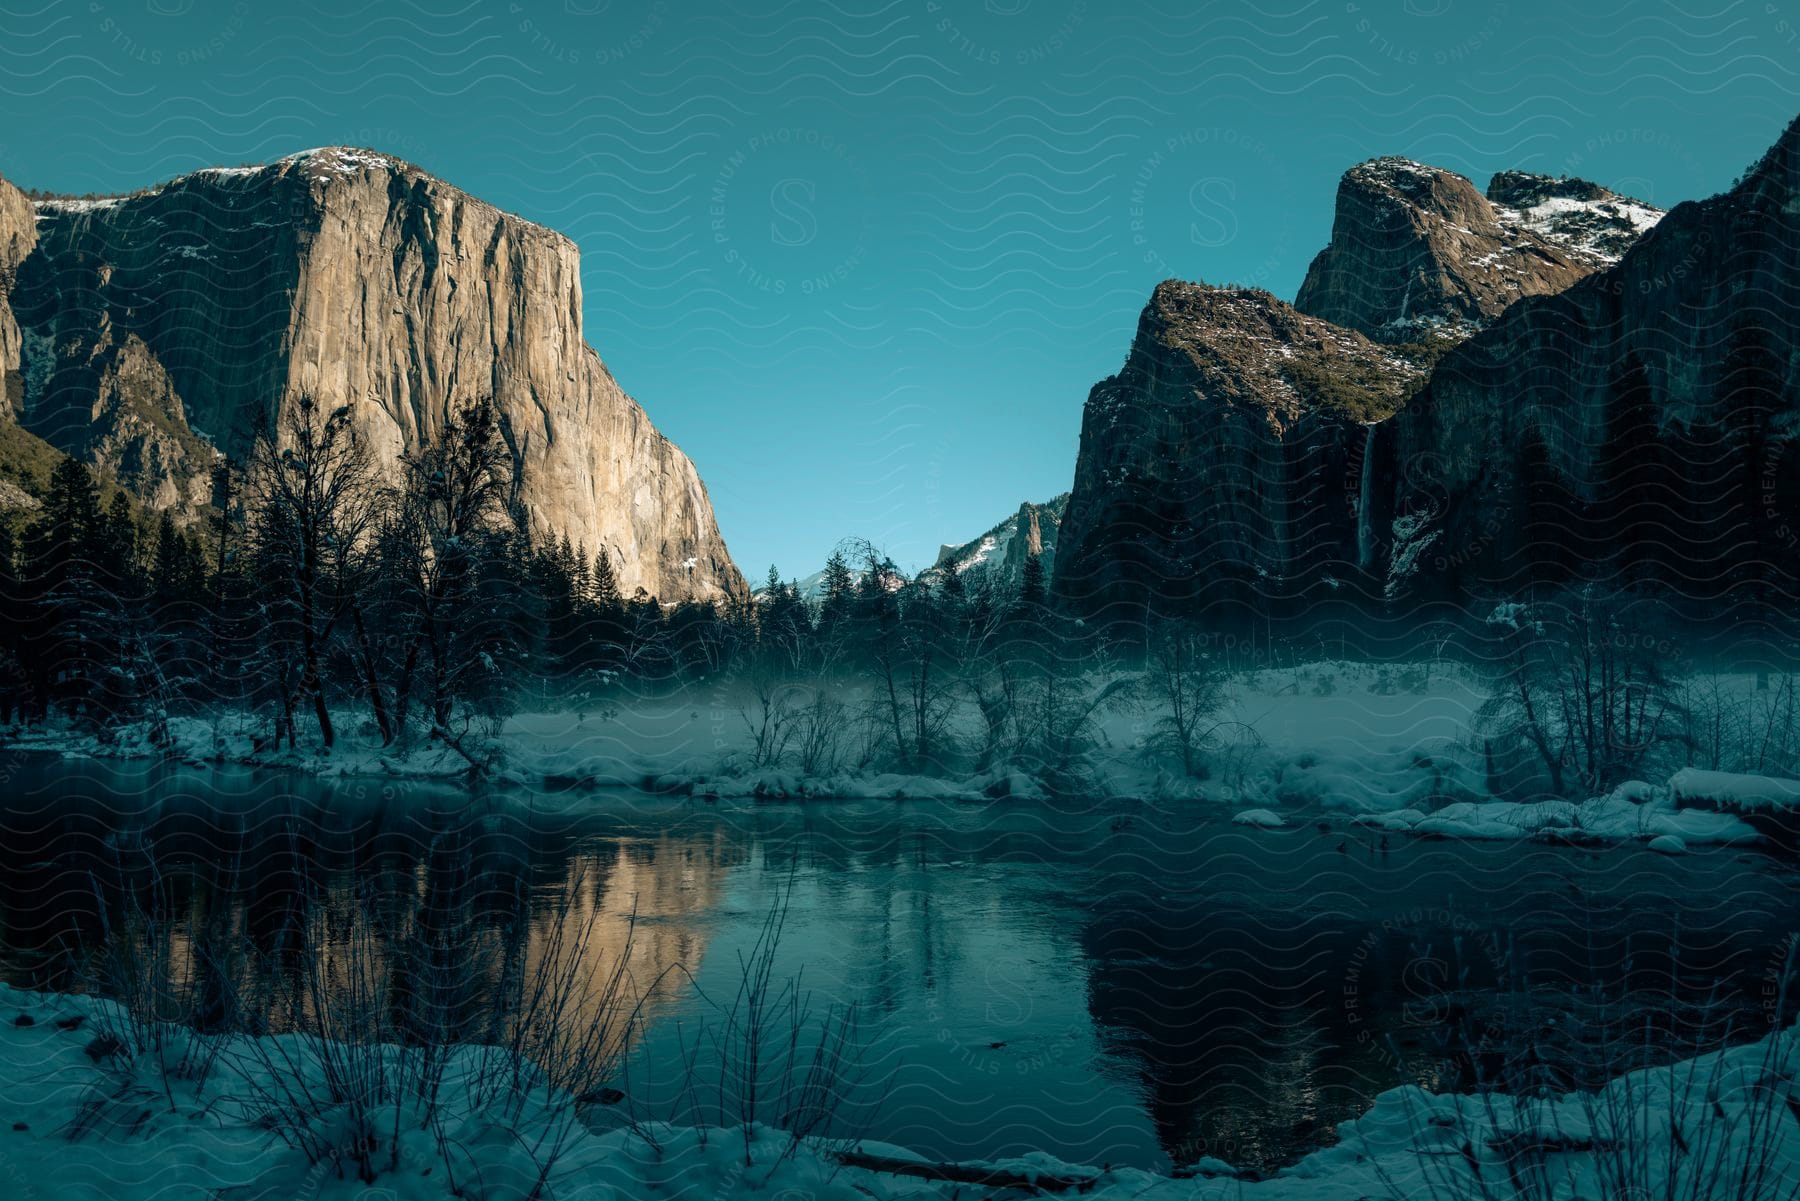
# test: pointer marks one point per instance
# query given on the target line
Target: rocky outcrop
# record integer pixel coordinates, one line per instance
(1644, 421)
(106, 399)
(1225, 463)
(1593, 223)
(1414, 246)
(18, 234)
(996, 559)
(1245, 455)
(208, 304)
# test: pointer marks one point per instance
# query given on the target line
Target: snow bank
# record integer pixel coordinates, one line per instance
(1387, 744)
(88, 1123)
(1732, 792)
(1625, 815)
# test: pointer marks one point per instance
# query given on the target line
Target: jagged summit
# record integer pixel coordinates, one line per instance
(997, 556)
(1415, 246)
(1577, 214)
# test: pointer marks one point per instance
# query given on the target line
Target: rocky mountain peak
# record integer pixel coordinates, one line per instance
(1414, 246)
(997, 556)
(1401, 189)
(1245, 346)
(187, 313)
(1223, 462)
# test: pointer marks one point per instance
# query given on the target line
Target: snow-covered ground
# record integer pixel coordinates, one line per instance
(85, 1116)
(1382, 745)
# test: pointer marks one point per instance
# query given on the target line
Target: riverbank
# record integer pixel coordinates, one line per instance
(1385, 747)
(93, 1104)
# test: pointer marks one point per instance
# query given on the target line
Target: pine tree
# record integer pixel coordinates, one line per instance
(605, 582)
(1031, 583)
(580, 575)
(59, 585)
(954, 589)
(785, 626)
(175, 612)
(116, 547)
(13, 618)
(609, 633)
(838, 587)
(167, 564)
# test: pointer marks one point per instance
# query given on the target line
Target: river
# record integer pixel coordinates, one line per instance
(1111, 983)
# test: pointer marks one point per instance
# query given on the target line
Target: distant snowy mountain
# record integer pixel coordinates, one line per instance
(812, 587)
(994, 558)
(997, 557)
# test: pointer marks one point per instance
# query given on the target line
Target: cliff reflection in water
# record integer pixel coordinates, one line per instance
(444, 899)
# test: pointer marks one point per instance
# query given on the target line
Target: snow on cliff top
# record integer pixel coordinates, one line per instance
(340, 160)
(1602, 229)
(1577, 215)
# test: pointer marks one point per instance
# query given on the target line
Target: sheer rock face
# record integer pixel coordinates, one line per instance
(107, 400)
(1674, 374)
(363, 281)
(997, 558)
(1225, 462)
(18, 234)
(1414, 246)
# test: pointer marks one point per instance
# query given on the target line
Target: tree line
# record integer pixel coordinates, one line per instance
(416, 603)
(324, 586)
(328, 589)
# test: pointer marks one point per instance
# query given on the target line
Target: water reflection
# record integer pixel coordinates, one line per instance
(1137, 987)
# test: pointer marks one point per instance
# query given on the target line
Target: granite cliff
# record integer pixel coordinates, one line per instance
(1643, 421)
(996, 559)
(159, 326)
(1223, 463)
(1414, 246)
(1245, 456)
(18, 234)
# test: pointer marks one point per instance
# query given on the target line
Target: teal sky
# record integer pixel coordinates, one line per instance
(863, 262)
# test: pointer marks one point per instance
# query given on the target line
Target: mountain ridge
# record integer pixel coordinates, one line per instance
(1239, 458)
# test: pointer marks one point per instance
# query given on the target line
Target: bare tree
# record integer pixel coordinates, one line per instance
(316, 500)
(819, 731)
(1064, 698)
(773, 711)
(455, 495)
(992, 679)
(1189, 689)
(1585, 684)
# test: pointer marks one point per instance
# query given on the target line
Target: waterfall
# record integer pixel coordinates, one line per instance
(1365, 528)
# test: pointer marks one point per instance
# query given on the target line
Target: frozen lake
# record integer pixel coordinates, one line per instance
(1116, 984)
